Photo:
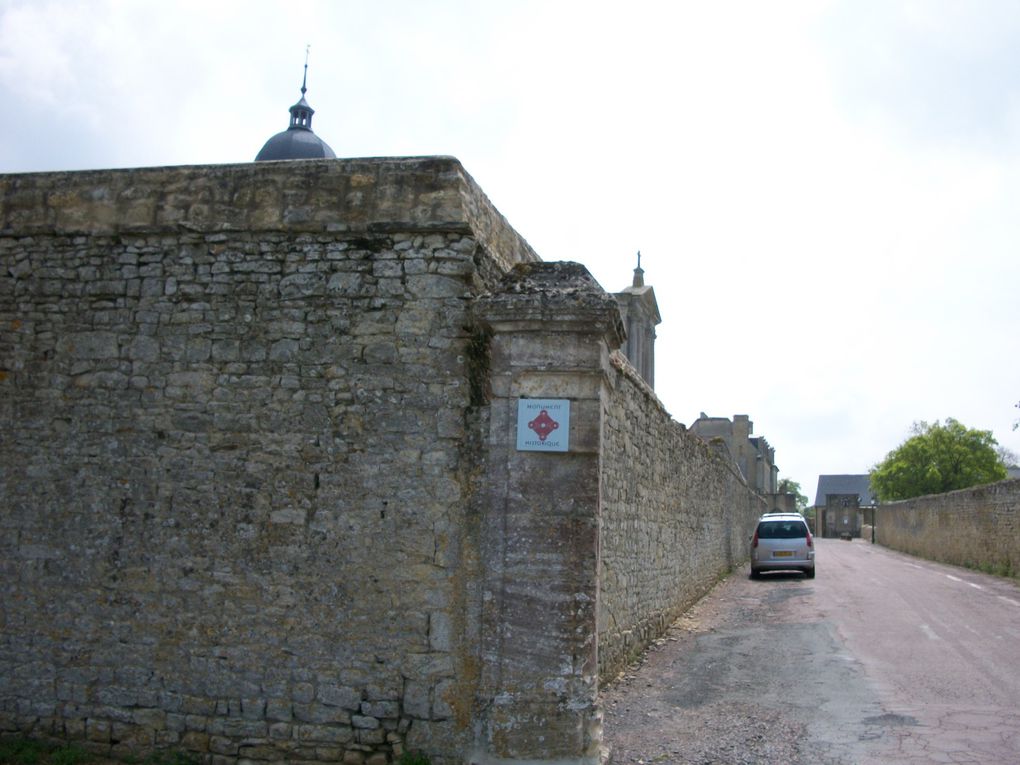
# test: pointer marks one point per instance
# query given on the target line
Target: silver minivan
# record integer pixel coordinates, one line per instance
(782, 542)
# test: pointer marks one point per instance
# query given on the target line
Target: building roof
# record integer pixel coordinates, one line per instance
(297, 141)
(844, 484)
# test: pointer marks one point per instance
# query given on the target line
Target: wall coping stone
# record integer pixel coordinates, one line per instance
(376, 195)
(1006, 484)
(556, 296)
(619, 361)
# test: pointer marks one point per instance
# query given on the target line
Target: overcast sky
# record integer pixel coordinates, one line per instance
(825, 194)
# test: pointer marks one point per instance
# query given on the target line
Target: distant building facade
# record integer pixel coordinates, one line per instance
(841, 504)
(753, 455)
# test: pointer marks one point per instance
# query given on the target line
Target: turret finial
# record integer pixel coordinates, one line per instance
(304, 80)
(639, 274)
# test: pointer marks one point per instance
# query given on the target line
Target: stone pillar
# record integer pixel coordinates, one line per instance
(553, 328)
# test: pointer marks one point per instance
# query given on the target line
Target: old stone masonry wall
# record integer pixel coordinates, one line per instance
(263, 495)
(675, 517)
(977, 527)
(235, 460)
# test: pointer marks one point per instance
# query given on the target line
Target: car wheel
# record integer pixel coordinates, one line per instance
(810, 573)
(755, 573)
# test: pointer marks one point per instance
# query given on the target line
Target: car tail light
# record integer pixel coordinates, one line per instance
(810, 541)
(754, 539)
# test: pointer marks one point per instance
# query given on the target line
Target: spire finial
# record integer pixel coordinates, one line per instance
(301, 113)
(639, 274)
(304, 80)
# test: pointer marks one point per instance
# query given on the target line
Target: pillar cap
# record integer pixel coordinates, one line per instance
(554, 297)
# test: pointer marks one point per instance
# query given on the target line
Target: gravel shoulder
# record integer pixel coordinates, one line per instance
(750, 674)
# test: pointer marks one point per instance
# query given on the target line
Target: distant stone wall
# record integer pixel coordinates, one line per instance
(978, 527)
(235, 465)
(676, 516)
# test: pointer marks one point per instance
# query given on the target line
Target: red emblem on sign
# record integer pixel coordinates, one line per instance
(543, 425)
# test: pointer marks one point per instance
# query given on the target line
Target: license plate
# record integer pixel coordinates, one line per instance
(783, 554)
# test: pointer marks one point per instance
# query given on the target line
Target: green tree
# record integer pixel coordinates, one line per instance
(936, 459)
(789, 486)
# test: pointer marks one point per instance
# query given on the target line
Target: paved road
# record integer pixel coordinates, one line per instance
(883, 658)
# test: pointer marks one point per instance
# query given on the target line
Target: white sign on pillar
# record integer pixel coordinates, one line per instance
(543, 424)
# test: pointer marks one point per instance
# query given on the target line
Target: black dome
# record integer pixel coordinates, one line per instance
(297, 141)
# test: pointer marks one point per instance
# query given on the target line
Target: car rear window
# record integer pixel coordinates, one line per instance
(781, 530)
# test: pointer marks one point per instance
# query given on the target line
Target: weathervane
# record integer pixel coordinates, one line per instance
(304, 80)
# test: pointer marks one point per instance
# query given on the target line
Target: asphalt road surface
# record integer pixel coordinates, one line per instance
(883, 658)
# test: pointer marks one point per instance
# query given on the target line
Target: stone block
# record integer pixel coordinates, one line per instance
(330, 734)
(321, 714)
(150, 718)
(284, 350)
(223, 745)
(236, 728)
(440, 631)
(416, 699)
(253, 709)
(278, 709)
(251, 755)
(445, 697)
(97, 730)
(74, 728)
(435, 286)
(339, 696)
(281, 731)
(93, 345)
(364, 722)
(381, 709)
(370, 736)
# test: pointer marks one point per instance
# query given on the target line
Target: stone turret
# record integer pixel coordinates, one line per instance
(640, 313)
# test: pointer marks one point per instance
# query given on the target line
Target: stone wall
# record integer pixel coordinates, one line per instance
(676, 516)
(235, 464)
(977, 527)
(261, 494)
